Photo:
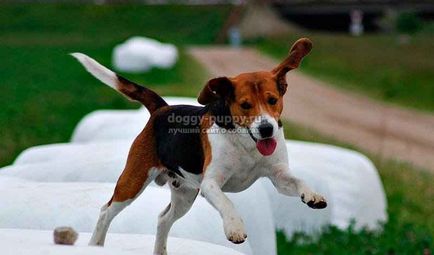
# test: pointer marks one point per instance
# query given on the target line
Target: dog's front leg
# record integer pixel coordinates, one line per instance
(232, 222)
(289, 185)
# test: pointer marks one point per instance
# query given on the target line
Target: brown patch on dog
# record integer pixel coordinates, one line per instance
(298, 51)
(141, 159)
(255, 90)
(205, 124)
(151, 100)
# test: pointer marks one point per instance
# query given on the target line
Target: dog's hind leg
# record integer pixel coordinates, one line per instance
(182, 199)
(141, 169)
(119, 201)
(108, 212)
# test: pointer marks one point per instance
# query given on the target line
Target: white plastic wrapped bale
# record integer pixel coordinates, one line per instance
(37, 205)
(103, 162)
(39, 242)
(291, 215)
(105, 125)
(356, 191)
(96, 170)
(139, 54)
(74, 155)
(340, 175)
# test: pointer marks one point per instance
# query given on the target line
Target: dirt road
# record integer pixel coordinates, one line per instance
(388, 131)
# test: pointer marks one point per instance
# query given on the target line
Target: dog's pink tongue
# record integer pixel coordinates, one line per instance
(266, 146)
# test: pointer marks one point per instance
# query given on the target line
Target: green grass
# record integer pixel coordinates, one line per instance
(410, 228)
(68, 24)
(372, 64)
(45, 92)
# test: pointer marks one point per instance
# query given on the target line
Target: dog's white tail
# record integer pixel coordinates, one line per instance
(151, 100)
(96, 69)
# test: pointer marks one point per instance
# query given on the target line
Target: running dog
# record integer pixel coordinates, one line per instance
(224, 146)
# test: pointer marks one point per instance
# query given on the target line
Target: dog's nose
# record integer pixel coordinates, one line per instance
(265, 130)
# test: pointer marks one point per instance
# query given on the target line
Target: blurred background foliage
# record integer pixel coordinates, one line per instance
(408, 23)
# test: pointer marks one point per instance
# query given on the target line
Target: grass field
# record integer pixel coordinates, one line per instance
(44, 93)
(376, 65)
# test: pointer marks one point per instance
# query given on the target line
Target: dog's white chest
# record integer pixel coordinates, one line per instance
(241, 181)
(234, 160)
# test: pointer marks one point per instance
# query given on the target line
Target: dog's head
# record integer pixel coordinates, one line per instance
(255, 100)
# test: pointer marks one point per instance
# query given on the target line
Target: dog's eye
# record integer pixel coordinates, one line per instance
(246, 106)
(272, 101)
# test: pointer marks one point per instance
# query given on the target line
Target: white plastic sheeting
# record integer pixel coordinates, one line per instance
(38, 242)
(339, 174)
(94, 125)
(103, 125)
(139, 54)
(39, 205)
(356, 191)
(71, 153)
(103, 162)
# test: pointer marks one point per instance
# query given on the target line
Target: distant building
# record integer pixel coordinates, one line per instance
(334, 15)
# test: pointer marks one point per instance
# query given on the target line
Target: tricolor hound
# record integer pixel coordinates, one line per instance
(224, 146)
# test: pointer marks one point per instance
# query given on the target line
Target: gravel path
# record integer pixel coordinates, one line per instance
(388, 131)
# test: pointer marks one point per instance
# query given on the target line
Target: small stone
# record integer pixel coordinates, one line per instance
(65, 235)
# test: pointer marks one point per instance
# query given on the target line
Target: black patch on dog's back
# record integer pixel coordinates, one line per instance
(177, 132)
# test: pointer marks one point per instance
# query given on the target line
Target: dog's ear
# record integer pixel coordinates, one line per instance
(298, 51)
(215, 89)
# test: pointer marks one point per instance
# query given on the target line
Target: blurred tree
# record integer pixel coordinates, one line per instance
(408, 23)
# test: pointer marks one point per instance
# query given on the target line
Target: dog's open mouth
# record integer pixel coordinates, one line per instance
(266, 146)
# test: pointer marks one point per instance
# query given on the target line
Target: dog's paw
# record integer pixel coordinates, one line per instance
(314, 200)
(234, 230)
(236, 237)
